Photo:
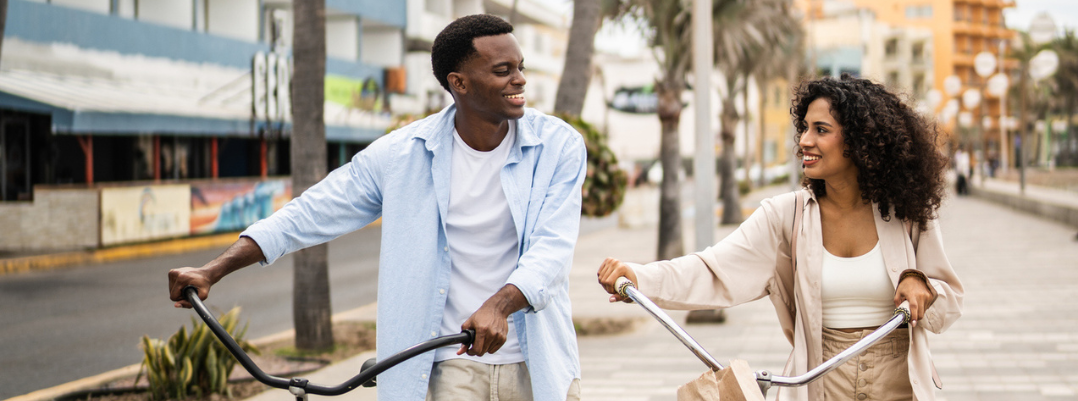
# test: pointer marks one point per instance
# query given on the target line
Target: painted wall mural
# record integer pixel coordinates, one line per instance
(232, 206)
(142, 213)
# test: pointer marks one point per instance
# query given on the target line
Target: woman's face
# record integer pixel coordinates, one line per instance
(823, 144)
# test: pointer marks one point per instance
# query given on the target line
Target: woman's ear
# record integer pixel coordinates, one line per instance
(457, 82)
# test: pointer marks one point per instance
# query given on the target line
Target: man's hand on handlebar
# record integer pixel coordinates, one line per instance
(178, 279)
(244, 252)
(609, 272)
(490, 322)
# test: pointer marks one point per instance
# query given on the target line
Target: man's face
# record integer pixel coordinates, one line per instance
(493, 78)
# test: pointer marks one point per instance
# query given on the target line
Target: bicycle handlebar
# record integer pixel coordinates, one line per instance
(302, 385)
(765, 379)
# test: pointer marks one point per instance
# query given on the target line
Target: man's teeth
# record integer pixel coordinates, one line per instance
(521, 96)
(811, 158)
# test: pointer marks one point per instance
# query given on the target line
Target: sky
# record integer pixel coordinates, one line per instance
(1065, 13)
(628, 41)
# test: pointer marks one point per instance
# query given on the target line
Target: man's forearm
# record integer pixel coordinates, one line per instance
(244, 252)
(507, 300)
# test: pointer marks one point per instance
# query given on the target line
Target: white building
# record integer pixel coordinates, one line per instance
(541, 31)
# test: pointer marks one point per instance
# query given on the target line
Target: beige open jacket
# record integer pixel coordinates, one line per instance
(754, 262)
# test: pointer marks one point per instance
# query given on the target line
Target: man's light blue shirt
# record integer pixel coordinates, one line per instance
(403, 178)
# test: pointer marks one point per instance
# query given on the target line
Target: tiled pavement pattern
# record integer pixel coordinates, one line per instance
(1017, 339)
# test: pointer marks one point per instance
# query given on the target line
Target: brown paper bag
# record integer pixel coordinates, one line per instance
(736, 382)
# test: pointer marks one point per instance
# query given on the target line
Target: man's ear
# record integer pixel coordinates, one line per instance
(457, 82)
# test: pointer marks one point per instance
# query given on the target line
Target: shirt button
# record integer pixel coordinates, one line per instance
(441, 291)
(424, 376)
(863, 367)
(433, 334)
(862, 396)
(861, 383)
(446, 249)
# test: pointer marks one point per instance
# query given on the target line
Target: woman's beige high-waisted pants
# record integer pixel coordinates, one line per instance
(879, 373)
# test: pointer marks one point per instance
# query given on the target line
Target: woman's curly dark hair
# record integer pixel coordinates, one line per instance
(892, 145)
(456, 43)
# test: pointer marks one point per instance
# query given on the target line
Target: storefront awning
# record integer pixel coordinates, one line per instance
(108, 94)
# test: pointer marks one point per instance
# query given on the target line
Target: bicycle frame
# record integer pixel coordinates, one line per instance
(764, 378)
(301, 387)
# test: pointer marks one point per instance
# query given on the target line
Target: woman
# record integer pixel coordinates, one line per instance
(868, 240)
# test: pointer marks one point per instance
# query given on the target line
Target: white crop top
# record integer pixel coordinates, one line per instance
(856, 291)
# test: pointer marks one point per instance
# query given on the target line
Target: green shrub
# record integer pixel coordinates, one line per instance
(604, 186)
(192, 364)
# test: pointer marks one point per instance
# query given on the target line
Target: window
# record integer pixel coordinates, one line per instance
(920, 12)
(892, 79)
(890, 48)
(919, 85)
(918, 52)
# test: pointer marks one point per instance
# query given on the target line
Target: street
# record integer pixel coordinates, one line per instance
(68, 324)
(1017, 339)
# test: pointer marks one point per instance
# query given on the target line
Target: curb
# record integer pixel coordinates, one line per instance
(126, 252)
(1030, 203)
(362, 313)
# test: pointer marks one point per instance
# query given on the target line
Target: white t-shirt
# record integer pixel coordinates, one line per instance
(482, 242)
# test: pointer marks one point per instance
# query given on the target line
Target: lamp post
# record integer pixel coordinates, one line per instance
(984, 64)
(1041, 66)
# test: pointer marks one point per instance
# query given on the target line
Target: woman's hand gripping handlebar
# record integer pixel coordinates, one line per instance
(301, 387)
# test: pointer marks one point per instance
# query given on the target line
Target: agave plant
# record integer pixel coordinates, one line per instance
(192, 362)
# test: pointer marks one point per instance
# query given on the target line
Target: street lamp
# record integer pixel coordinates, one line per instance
(984, 64)
(997, 86)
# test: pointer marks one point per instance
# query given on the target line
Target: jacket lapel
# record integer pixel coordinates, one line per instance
(892, 236)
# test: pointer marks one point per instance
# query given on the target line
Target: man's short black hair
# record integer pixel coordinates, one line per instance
(455, 44)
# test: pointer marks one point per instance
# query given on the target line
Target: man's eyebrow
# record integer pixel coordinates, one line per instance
(506, 63)
(821, 123)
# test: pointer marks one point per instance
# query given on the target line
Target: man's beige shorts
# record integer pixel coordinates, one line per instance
(467, 380)
(880, 373)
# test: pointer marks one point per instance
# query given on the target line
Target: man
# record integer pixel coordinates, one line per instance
(962, 169)
(480, 208)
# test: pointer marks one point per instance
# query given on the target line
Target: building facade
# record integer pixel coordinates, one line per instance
(101, 94)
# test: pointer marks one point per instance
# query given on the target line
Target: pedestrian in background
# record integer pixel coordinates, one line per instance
(868, 240)
(962, 170)
(480, 207)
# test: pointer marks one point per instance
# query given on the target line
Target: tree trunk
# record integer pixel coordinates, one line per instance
(311, 309)
(762, 181)
(3, 23)
(576, 75)
(731, 198)
(746, 159)
(670, 241)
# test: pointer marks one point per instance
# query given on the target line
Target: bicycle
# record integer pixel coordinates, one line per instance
(764, 378)
(301, 387)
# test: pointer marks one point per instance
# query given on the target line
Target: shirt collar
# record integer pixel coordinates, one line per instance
(437, 130)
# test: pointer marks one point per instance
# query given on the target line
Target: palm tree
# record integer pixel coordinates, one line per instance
(670, 36)
(749, 35)
(311, 311)
(1066, 85)
(576, 75)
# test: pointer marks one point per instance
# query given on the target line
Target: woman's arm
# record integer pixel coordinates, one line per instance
(738, 269)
